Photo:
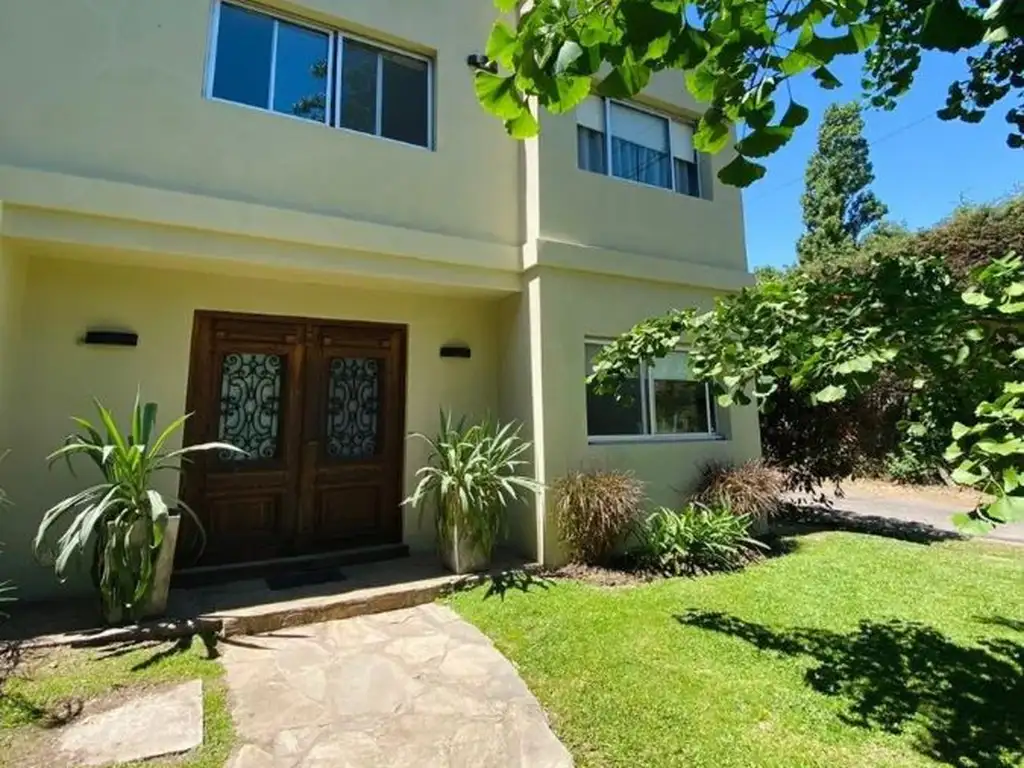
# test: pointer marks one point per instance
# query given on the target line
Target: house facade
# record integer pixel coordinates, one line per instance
(294, 220)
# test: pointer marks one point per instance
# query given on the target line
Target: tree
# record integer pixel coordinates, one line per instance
(832, 333)
(739, 56)
(838, 207)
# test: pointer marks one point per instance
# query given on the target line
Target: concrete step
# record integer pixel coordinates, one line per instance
(250, 607)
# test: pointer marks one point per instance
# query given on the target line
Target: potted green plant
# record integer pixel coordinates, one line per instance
(472, 476)
(129, 528)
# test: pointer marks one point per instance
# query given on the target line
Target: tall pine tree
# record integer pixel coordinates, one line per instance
(838, 207)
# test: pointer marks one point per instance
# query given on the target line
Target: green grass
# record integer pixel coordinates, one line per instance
(851, 651)
(42, 686)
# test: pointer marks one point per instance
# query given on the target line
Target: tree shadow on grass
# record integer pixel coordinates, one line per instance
(810, 518)
(521, 580)
(162, 649)
(962, 704)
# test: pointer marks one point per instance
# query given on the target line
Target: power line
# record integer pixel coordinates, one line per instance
(876, 142)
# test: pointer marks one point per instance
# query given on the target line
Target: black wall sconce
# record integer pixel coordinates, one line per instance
(479, 61)
(107, 338)
(456, 350)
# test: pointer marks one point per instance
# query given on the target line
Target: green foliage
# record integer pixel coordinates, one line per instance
(835, 333)
(849, 438)
(738, 54)
(860, 434)
(596, 510)
(753, 489)
(972, 236)
(989, 454)
(696, 539)
(123, 517)
(838, 207)
(473, 474)
(912, 467)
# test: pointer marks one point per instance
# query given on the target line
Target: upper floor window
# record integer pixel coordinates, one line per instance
(663, 399)
(313, 73)
(638, 145)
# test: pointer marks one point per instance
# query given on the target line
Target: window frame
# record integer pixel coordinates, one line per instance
(668, 120)
(335, 51)
(648, 415)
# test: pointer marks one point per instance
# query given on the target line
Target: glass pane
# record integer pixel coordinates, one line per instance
(680, 407)
(300, 84)
(250, 405)
(405, 113)
(638, 163)
(687, 181)
(642, 128)
(244, 42)
(353, 402)
(359, 87)
(591, 150)
(674, 366)
(607, 415)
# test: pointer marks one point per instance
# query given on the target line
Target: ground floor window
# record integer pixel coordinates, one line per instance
(662, 399)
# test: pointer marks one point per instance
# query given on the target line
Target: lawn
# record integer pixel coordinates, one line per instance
(853, 650)
(50, 687)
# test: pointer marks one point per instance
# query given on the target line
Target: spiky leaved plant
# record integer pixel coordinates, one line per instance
(123, 517)
(696, 539)
(471, 477)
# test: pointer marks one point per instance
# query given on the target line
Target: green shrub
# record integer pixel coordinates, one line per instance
(596, 510)
(697, 539)
(753, 489)
(911, 468)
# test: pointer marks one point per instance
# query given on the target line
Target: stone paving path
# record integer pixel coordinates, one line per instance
(418, 688)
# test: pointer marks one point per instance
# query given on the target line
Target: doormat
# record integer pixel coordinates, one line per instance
(303, 578)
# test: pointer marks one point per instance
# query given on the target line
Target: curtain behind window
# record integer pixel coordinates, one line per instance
(590, 148)
(638, 163)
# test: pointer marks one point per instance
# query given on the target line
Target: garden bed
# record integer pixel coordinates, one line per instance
(628, 572)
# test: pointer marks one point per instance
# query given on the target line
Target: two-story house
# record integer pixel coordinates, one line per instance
(293, 219)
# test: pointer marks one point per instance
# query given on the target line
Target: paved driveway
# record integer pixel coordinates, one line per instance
(925, 511)
(418, 687)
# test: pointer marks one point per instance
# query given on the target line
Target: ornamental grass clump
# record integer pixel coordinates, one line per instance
(595, 510)
(753, 489)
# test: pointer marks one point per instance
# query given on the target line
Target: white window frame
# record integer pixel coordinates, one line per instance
(669, 119)
(335, 52)
(648, 416)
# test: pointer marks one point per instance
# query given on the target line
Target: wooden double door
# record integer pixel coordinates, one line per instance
(318, 407)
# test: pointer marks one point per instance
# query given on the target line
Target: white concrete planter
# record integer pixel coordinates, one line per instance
(156, 603)
(461, 555)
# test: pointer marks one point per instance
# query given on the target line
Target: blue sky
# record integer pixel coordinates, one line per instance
(924, 167)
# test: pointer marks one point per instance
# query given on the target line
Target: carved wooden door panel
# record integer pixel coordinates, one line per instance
(352, 440)
(319, 410)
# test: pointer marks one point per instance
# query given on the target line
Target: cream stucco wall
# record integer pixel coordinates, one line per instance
(576, 306)
(12, 291)
(129, 199)
(55, 377)
(114, 89)
(584, 208)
